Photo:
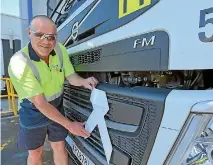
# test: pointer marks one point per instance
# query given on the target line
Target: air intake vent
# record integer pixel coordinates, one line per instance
(86, 58)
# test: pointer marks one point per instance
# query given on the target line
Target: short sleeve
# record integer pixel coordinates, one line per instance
(68, 67)
(22, 78)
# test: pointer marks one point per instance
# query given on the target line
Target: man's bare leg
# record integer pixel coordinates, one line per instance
(35, 156)
(60, 154)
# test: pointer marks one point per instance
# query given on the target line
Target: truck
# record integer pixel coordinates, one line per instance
(154, 61)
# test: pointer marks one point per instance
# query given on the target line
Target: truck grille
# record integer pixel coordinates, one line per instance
(81, 99)
(86, 58)
(94, 140)
(134, 145)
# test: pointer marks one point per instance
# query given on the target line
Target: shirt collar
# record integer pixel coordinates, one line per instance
(33, 55)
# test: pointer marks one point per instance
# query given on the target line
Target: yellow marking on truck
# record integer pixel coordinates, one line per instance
(127, 7)
(6, 144)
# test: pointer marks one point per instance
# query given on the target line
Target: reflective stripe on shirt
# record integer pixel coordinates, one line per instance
(55, 96)
(31, 65)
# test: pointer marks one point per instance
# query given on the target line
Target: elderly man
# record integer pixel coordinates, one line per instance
(37, 72)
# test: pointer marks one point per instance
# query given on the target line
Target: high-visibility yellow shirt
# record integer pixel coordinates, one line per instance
(27, 86)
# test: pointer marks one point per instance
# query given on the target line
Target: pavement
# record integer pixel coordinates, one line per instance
(10, 153)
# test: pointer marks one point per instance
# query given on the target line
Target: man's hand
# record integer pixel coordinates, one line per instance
(90, 83)
(77, 129)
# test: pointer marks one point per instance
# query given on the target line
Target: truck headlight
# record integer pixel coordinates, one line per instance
(195, 143)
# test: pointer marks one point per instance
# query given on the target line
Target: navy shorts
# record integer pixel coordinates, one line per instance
(30, 139)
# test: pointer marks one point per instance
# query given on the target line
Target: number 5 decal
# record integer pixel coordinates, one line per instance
(204, 22)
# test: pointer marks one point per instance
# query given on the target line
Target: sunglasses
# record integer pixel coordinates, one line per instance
(49, 37)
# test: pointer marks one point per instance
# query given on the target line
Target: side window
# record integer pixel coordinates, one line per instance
(51, 5)
(59, 10)
(69, 4)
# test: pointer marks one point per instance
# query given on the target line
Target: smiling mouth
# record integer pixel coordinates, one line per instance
(44, 47)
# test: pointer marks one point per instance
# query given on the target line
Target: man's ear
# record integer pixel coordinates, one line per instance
(28, 32)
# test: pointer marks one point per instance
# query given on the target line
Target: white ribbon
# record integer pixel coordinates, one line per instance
(100, 108)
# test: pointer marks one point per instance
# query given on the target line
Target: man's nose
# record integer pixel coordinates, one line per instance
(45, 41)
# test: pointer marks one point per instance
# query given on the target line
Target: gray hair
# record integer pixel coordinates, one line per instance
(41, 17)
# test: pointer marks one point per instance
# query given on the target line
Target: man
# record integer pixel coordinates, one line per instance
(41, 111)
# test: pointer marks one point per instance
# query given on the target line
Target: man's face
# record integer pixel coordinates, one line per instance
(41, 44)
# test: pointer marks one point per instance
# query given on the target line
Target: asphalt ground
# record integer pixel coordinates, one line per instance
(10, 153)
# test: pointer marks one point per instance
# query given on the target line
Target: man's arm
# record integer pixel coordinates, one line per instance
(52, 113)
(48, 110)
(75, 80)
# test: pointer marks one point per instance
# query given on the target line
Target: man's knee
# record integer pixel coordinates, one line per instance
(58, 146)
(36, 155)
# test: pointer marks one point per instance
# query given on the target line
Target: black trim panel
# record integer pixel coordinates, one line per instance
(145, 52)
